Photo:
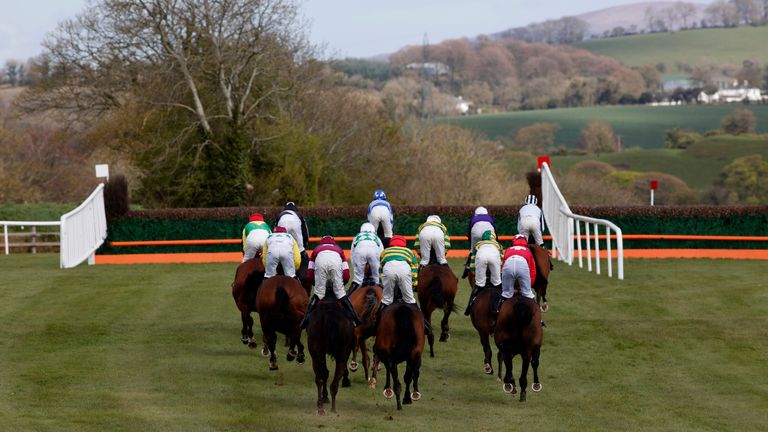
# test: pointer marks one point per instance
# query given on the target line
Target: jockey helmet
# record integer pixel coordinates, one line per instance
(397, 240)
(367, 227)
(280, 229)
(256, 217)
(531, 199)
(481, 211)
(434, 218)
(520, 240)
(488, 235)
(379, 195)
(328, 240)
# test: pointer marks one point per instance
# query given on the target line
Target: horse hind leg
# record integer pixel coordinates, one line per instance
(444, 327)
(524, 376)
(487, 354)
(430, 335)
(271, 337)
(341, 368)
(509, 382)
(407, 377)
(321, 377)
(536, 387)
(397, 386)
(300, 358)
(415, 368)
(353, 365)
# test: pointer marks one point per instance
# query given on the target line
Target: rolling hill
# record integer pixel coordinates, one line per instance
(721, 46)
(638, 126)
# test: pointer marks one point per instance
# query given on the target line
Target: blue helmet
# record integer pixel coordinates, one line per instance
(379, 195)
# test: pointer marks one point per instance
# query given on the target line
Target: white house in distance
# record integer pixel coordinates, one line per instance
(735, 94)
(462, 106)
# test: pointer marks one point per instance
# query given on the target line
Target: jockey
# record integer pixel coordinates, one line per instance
(518, 266)
(530, 222)
(479, 224)
(366, 249)
(293, 222)
(255, 235)
(328, 264)
(398, 268)
(486, 255)
(380, 214)
(432, 235)
(280, 248)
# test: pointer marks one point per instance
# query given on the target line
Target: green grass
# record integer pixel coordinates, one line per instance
(638, 126)
(700, 47)
(699, 165)
(156, 347)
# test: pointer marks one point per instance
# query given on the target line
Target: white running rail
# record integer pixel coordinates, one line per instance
(562, 223)
(6, 224)
(83, 230)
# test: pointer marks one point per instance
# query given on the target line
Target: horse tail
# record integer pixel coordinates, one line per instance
(406, 332)
(523, 314)
(436, 289)
(331, 316)
(282, 301)
(370, 302)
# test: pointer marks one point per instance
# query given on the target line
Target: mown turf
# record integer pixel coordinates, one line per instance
(638, 126)
(701, 47)
(678, 345)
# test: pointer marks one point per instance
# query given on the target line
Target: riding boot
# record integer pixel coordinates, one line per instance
(497, 308)
(446, 265)
(472, 296)
(310, 307)
(466, 268)
(355, 319)
(353, 287)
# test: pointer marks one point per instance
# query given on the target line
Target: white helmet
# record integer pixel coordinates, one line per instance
(481, 211)
(434, 218)
(531, 199)
(367, 227)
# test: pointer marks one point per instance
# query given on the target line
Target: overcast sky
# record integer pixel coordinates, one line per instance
(356, 28)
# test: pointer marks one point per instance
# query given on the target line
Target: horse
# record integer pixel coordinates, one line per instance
(400, 338)
(484, 321)
(543, 267)
(248, 277)
(518, 331)
(366, 301)
(330, 332)
(282, 303)
(437, 289)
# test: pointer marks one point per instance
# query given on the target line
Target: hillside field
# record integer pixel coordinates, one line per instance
(699, 165)
(638, 126)
(156, 347)
(700, 47)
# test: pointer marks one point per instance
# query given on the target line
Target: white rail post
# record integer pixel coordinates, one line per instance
(5, 237)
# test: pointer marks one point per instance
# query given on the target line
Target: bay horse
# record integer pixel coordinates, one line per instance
(366, 300)
(248, 277)
(400, 338)
(484, 321)
(543, 267)
(518, 331)
(330, 332)
(436, 289)
(282, 303)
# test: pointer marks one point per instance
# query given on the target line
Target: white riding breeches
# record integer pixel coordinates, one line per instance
(432, 237)
(279, 254)
(380, 215)
(254, 243)
(487, 258)
(328, 268)
(292, 224)
(397, 273)
(530, 226)
(476, 233)
(516, 269)
(366, 252)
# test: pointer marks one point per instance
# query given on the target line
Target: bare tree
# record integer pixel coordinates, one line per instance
(685, 11)
(12, 72)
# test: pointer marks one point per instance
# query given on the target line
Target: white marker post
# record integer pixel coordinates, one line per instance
(102, 170)
(654, 186)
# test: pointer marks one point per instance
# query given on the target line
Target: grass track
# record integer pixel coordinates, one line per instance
(679, 345)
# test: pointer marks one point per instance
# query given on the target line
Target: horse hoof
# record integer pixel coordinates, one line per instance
(407, 401)
(345, 382)
(353, 366)
(290, 356)
(508, 388)
(536, 387)
(388, 393)
(300, 359)
(444, 337)
(544, 307)
(488, 369)
(321, 412)
(244, 340)
(416, 395)
(273, 366)
(372, 383)
(251, 344)
(265, 352)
